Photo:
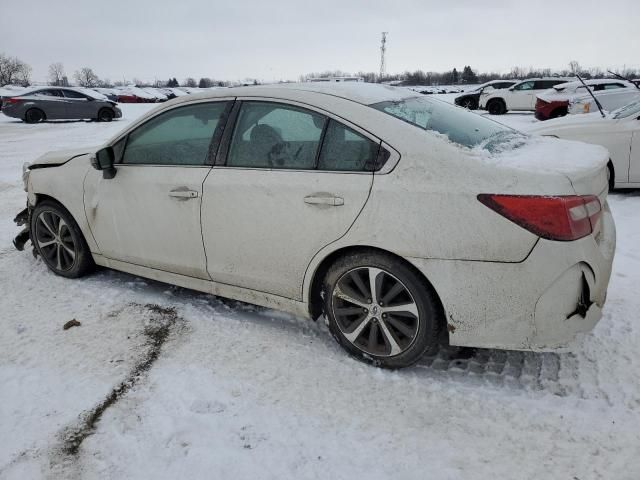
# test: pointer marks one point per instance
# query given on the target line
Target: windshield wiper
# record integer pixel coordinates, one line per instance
(624, 78)
(592, 96)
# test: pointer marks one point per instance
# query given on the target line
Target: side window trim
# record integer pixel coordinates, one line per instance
(214, 144)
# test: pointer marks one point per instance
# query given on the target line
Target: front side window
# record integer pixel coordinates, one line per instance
(524, 86)
(272, 135)
(346, 150)
(180, 136)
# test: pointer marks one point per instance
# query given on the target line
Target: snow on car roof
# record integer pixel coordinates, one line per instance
(360, 92)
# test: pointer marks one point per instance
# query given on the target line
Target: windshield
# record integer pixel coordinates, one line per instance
(627, 111)
(459, 125)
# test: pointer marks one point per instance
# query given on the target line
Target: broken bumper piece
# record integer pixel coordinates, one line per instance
(22, 219)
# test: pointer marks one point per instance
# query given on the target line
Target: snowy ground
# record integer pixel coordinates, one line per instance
(161, 382)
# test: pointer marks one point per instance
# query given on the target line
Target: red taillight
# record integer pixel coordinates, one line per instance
(564, 218)
(12, 101)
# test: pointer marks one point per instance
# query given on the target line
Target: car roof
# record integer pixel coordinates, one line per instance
(359, 92)
(597, 81)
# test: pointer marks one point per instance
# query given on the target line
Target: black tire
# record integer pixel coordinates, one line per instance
(105, 115)
(469, 103)
(611, 176)
(497, 107)
(413, 335)
(64, 237)
(34, 115)
(559, 112)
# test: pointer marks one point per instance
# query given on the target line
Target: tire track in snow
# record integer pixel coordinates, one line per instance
(163, 323)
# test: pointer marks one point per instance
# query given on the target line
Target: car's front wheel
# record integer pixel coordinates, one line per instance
(34, 115)
(469, 103)
(59, 241)
(105, 115)
(380, 310)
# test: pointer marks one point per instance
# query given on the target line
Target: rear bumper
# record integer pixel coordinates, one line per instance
(540, 304)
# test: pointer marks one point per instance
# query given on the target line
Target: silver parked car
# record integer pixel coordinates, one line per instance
(60, 104)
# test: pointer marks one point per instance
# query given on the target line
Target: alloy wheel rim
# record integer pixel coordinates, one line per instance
(375, 311)
(55, 241)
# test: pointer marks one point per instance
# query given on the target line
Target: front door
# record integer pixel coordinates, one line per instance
(149, 213)
(522, 96)
(293, 182)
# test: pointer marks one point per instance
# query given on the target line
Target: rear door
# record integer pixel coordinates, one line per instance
(52, 103)
(288, 181)
(634, 167)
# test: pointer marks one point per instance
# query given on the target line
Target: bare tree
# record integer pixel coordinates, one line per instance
(85, 77)
(56, 74)
(13, 70)
(574, 67)
(190, 82)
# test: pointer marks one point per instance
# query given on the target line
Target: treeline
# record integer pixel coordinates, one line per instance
(14, 71)
(471, 76)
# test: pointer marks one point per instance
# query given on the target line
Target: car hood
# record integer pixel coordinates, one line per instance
(60, 157)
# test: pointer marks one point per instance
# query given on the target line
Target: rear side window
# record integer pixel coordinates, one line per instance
(344, 149)
(178, 137)
(49, 93)
(272, 135)
(73, 94)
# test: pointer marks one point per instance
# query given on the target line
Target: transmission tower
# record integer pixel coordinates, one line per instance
(383, 49)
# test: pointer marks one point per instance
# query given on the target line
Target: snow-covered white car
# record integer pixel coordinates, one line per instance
(610, 100)
(342, 199)
(618, 132)
(471, 98)
(611, 93)
(520, 97)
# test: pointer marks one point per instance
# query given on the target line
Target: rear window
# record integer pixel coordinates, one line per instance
(459, 125)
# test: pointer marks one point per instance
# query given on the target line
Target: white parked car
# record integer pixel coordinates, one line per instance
(520, 97)
(610, 100)
(564, 98)
(403, 219)
(618, 132)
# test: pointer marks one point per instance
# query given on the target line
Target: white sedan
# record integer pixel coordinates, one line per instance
(403, 220)
(618, 132)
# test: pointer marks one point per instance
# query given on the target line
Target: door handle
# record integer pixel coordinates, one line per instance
(183, 193)
(324, 199)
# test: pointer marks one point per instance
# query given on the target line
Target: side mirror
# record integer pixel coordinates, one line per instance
(103, 160)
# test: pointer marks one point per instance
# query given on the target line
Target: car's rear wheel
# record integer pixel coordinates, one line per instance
(380, 310)
(59, 241)
(105, 115)
(497, 107)
(34, 115)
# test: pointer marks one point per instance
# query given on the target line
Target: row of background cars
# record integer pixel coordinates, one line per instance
(36, 104)
(603, 112)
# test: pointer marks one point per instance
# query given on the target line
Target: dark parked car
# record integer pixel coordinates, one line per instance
(60, 104)
(471, 99)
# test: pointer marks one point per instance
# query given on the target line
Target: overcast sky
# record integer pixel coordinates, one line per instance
(273, 40)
